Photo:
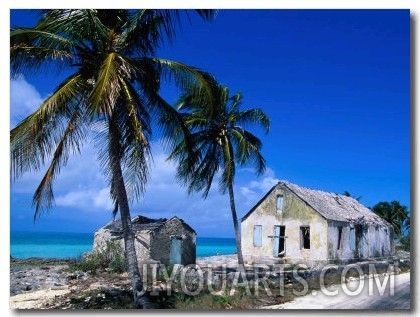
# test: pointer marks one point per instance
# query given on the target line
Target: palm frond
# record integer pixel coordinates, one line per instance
(171, 19)
(248, 149)
(33, 140)
(146, 73)
(135, 123)
(175, 130)
(228, 174)
(219, 140)
(141, 35)
(73, 136)
(80, 25)
(252, 116)
(207, 14)
(106, 90)
(32, 49)
(188, 78)
(206, 169)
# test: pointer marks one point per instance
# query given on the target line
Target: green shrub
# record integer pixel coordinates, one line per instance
(111, 258)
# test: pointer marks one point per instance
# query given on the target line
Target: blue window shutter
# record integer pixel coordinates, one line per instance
(280, 202)
(257, 236)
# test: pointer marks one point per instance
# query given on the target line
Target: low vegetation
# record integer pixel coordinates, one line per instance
(111, 258)
(243, 296)
(107, 286)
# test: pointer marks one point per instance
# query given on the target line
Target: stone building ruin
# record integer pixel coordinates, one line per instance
(156, 240)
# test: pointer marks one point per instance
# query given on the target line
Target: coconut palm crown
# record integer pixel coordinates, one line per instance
(113, 83)
(221, 142)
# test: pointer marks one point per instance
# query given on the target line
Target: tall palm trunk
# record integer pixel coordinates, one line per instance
(236, 227)
(141, 300)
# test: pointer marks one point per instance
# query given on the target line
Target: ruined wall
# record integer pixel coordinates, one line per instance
(102, 236)
(161, 242)
(142, 245)
(142, 242)
(379, 242)
(368, 241)
(294, 214)
(341, 246)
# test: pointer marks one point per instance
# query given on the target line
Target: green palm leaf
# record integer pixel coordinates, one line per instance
(70, 141)
(32, 49)
(106, 89)
(219, 142)
(33, 140)
(114, 87)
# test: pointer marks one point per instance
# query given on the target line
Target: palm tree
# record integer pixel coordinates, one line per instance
(114, 84)
(220, 144)
(393, 212)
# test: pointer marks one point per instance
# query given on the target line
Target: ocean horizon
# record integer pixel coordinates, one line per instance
(64, 245)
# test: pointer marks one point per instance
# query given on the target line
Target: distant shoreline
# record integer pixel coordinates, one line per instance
(40, 261)
(91, 233)
(25, 245)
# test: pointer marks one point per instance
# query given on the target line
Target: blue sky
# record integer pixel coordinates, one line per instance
(335, 83)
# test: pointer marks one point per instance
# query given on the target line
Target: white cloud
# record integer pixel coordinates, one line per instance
(102, 200)
(254, 190)
(268, 181)
(24, 99)
(87, 200)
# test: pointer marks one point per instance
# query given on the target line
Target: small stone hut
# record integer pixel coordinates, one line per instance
(295, 225)
(156, 240)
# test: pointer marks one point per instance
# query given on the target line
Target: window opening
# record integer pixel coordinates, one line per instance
(305, 237)
(340, 232)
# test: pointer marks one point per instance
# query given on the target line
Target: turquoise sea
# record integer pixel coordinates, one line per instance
(72, 245)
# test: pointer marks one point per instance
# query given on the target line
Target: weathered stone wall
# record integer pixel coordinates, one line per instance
(372, 241)
(379, 242)
(103, 236)
(142, 242)
(345, 249)
(142, 245)
(294, 214)
(161, 242)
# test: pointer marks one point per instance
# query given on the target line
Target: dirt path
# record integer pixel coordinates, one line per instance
(391, 292)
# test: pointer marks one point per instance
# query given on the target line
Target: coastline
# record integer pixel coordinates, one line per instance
(39, 261)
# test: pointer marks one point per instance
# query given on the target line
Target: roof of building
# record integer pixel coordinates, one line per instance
(330, 205)
(141, 223)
